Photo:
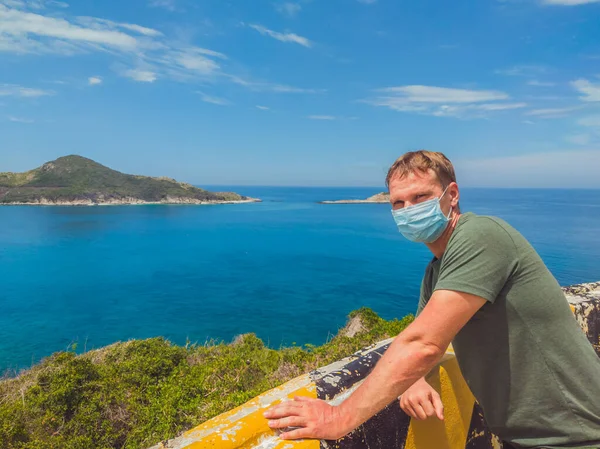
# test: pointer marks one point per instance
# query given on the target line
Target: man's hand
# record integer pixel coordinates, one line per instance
(421, 401)
(313, 418)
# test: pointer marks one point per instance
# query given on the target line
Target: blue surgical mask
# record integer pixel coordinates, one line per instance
(423, 222)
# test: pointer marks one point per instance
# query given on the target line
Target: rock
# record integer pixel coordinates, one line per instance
(354, 326)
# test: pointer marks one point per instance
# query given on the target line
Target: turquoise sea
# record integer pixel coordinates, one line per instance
(288, 269)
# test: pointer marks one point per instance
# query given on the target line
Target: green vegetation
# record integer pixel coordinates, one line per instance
(137, 393)
(75, 178)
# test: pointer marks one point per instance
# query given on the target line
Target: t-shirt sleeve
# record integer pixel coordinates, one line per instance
(479, 260)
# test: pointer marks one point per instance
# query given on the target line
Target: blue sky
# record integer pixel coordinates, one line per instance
(304, 92)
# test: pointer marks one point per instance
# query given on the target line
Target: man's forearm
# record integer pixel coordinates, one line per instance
(404, 363)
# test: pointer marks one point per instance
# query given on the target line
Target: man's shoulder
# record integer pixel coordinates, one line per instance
(471, 223)
(483, 230)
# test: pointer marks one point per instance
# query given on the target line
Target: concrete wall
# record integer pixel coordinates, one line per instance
(463, 428)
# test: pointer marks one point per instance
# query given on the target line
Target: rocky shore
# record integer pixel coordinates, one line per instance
(380, 198)
(127, 202)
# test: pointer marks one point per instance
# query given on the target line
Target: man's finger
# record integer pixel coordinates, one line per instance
(303, 399)
(282, 410)
(438, 406)
(419, 411)
(296, 434)
(427, 407)
(409, 411)
(290, 421)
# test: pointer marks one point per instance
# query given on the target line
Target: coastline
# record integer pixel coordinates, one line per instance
(354, 202)
(379, 198)
(130, 202)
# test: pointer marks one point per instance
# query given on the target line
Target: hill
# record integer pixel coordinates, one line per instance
(76, 180)
(379, 198)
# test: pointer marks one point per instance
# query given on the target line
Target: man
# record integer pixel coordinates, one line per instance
(488, 293)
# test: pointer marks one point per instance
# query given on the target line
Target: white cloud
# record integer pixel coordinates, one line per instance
(473, 110)
(433, 94)
(166, 4)
(283, 37)
(149, 52)
(282, 88)
(553, 112)
(523, 70)
(13, 90)
(499, 106)
(262, 108)
(321, 117)
(591, 91)
(288, 9)
(143, 76)
(566, 168)
(139, 29)
(94, 80)
(540, 83)
(194, 59)
(140, 53)
(578, 139)
(569, 2)
(273, 87)
(18, 25)
(20, 120)
(103, 24)
(592, 121)
(33, 4)
(213, 100)
(443, 101)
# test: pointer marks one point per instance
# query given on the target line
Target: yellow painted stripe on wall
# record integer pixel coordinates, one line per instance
(245, 427)
(458, 408)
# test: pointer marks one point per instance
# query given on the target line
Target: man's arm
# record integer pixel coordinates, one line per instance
(410, 356)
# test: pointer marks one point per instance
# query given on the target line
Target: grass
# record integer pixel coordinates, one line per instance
(137, 393)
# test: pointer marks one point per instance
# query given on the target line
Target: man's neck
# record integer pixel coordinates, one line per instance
(439, 246)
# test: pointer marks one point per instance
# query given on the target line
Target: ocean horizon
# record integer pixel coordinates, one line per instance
(288, 269)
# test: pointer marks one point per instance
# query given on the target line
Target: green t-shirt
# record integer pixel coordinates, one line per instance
(523, 355)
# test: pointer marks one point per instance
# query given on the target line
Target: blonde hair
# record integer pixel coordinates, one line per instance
(423, 161)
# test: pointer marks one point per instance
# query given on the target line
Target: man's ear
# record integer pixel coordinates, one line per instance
(454, 194)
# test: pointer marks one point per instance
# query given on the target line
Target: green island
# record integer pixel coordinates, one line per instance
(134, 394)
(78, 181)
(379, 198)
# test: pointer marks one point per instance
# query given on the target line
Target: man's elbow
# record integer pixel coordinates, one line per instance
(425, 355)
(431, 353)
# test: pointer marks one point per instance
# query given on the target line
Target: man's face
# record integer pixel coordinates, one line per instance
(417, 187)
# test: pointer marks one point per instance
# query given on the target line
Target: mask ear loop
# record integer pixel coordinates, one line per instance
(440, 198)
(444, 192)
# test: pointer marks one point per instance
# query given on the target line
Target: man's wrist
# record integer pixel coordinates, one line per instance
(348, 418)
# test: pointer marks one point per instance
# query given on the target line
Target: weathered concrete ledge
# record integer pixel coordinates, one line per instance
(463, 428)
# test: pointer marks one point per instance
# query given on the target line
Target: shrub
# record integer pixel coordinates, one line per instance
(136, 393)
